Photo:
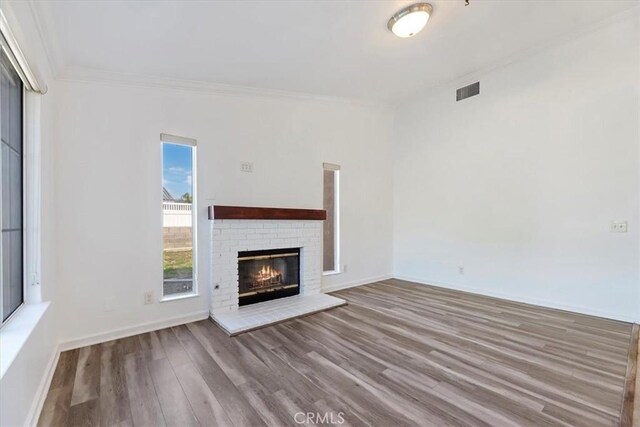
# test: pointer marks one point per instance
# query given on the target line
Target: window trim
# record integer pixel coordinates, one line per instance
(190, 142)
(15, 330)
(336, 215)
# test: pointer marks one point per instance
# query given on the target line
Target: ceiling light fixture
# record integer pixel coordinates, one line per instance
(411, 20)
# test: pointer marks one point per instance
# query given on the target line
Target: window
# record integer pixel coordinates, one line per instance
(11, 202)
(331, 232)
(178, 222)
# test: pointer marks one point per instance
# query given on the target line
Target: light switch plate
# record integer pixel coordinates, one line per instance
(246, 167)
(618, 226)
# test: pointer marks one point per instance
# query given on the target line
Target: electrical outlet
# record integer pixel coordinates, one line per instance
(344, 268)
(246, 167)
(148, 297)
(618, 226)
(461, 270)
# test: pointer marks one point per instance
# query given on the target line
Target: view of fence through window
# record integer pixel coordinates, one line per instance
(177, 217)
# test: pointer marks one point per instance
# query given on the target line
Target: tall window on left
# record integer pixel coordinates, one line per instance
(12, 200)
(178, 221)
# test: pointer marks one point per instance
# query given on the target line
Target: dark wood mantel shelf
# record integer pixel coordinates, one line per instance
(250, 212)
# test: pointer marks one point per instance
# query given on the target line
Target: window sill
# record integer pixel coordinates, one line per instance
(331, 273)
(179, 297)
(16, 331)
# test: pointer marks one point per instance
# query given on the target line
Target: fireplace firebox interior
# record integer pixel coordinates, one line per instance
(268, 274)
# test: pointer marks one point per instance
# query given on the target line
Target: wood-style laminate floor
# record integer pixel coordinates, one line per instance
(397, 354)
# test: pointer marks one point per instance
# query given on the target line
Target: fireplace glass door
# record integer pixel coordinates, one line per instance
(268, 274)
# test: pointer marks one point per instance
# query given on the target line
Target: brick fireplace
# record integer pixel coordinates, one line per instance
(247, 232)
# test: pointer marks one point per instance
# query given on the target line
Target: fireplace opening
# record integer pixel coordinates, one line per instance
(268, 274)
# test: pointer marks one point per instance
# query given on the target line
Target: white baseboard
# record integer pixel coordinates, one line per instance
(132, 330)
(43, 388)
(355, 283)
(516, 298)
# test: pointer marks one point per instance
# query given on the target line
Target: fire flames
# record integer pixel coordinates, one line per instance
(267, 276)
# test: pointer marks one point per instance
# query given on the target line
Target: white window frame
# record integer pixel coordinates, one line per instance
(336, 215)
(181, 140)
(31, 175)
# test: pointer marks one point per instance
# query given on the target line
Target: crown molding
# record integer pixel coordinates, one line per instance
(520, 55)
(89, 75)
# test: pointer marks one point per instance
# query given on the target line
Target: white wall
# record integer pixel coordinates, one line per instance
(107, 148)
(518, 185)
(23, 384)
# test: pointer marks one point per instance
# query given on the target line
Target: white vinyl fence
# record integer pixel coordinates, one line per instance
(176, 214)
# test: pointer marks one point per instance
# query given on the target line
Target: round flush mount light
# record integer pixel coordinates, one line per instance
(411, 20)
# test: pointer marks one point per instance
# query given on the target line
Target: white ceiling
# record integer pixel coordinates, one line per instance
(329, 48)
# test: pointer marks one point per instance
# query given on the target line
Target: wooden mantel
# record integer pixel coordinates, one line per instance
(251, 212)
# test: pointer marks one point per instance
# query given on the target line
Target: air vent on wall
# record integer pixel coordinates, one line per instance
(468, 91)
